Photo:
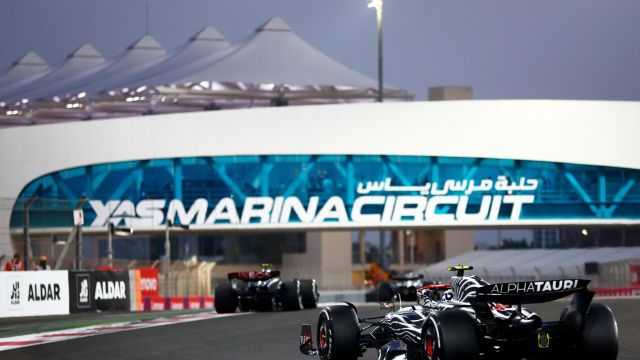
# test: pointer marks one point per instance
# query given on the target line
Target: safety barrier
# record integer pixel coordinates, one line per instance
(34, 293)
(161, 303)
(41, 293)
(618, 291)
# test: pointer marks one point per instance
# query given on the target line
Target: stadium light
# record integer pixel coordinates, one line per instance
(117, 231)
(377, 4)
(585, 232)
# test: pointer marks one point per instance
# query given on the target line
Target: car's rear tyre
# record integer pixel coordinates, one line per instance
(338, 333)
(385, 292)
(600, 335)
(450, 335)
(309, 292)
(226, 300)
(292, 299)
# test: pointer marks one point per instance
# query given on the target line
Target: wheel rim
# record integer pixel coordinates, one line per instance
(430, 346)
(323, 336)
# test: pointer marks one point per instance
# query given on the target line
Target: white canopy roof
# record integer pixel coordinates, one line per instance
(84, 58)
(272, 67)
(119, 71)
(274, 54)
(31, 64)
(108, 75)
(181, 61)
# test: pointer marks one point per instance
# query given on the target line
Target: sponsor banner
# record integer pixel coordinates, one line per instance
(33, 293)
(154, 303)
(148, 282)
(80, 291)
(111, 290)
(176, 303)
(193, 302)
(208, 302)
(144, 283)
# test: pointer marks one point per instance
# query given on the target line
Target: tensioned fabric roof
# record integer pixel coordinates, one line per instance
(180, 62)
(274, 66)
(84, 58)
(111, 74)
(284, 58)
(31, 64)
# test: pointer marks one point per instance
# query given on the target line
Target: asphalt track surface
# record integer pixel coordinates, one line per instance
(259, 336)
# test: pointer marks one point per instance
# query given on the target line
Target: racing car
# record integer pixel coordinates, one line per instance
(470, 319)
(406, 285)
(263, 290)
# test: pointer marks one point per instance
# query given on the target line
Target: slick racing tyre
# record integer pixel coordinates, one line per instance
(338, 333)
(385, 292)
(600, 335)
(292, 299)
(226, 300)
(309, 292)
(450, 335)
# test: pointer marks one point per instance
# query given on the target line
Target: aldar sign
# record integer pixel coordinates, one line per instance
(32, 293)
(376, 202)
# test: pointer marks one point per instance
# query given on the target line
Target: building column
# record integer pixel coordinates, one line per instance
(401, 236)
(362, 247)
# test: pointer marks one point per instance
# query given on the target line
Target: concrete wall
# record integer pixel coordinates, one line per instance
(458, 242)
(327, 259)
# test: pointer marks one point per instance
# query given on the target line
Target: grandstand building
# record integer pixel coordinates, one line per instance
(314, 189)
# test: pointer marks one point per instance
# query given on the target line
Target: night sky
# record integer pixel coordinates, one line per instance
(558, 49)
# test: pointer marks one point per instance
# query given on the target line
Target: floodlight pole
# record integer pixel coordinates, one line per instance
(167, 257)
(110, 243)
(79, 205)
(377, 4)
(27, 239)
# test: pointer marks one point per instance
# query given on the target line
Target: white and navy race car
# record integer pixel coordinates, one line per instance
(470, 319)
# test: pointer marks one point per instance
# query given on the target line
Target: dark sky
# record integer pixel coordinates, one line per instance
(560, 49)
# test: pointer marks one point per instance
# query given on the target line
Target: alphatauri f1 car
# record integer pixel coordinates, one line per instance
(263, 290)
(470, 319)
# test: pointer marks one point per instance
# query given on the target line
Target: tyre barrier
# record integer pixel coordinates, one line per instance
(161, 303)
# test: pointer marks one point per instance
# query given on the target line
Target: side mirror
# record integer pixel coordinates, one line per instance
(306, 341)
(387, 305)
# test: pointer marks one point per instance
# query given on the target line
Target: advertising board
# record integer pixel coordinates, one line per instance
(81, 286)
(111, 290)
(33, 293)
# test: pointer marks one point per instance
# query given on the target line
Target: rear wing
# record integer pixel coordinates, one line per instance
(530, 292)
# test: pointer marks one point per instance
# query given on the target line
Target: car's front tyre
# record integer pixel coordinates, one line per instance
(338, 333)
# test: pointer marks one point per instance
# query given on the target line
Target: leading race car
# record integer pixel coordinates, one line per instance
(471, 319)
(406, 285)
(263, 290)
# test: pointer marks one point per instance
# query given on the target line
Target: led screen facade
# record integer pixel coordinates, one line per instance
(332, 191)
